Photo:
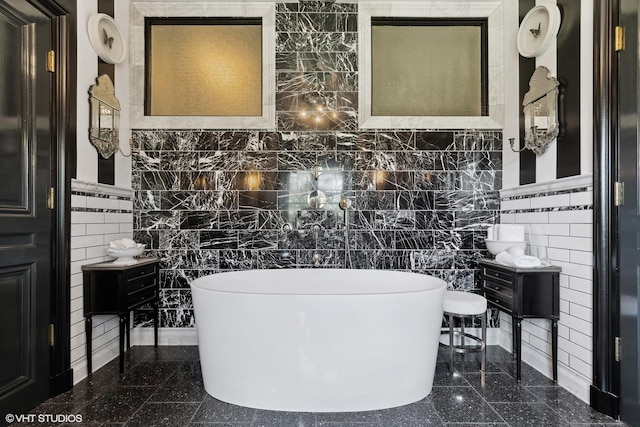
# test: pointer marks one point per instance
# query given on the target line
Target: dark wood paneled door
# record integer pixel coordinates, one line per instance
(628, 155)
(25, 218)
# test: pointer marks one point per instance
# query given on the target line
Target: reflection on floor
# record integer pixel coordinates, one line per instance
(164, 388)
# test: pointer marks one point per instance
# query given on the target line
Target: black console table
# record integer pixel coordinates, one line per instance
(524, 293)
(119, 289)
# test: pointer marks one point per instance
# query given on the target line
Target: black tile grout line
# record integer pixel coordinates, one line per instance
(134, 412)
(545, 402)
(156, 387)
(199, 406)
(442, 421)
(487, 403)
(114, 384)
(538, 400)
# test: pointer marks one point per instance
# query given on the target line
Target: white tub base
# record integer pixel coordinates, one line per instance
(328, 347)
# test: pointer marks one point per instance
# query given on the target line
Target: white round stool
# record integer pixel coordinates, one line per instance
(466, 304)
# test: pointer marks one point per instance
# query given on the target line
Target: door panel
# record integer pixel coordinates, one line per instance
(25, 219)
(629, 214)
(11, 128)
(15, 290)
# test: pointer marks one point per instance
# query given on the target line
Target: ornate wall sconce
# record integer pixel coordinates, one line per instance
(104, 117)
(540, 107)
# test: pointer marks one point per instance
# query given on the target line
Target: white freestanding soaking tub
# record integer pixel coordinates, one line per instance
(318, 340)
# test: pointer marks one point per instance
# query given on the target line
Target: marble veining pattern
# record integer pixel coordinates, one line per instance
(207, 201)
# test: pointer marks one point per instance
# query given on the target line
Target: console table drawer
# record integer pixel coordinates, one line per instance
(498, 276)
(141, 272)
(140, 283)
(503, 301)
(141, 297)
(498, 287)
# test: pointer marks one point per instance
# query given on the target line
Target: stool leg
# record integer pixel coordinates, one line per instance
(483, 363)
(451, 343)
(462, 333)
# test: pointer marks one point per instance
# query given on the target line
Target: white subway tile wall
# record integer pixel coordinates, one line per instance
(99, 214)
(561, 220)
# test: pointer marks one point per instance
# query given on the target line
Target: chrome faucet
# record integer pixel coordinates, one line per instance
(317, 171)
(345, 205)
(316, 259)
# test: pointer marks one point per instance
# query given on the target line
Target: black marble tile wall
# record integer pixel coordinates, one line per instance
(216, 200)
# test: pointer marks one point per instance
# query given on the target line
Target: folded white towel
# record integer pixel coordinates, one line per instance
(122, 244)
(511, 232)
(505, 258)
(515, 251)
(527, 261)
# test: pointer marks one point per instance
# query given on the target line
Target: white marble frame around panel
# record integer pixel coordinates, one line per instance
(140, 10)
(493, 10)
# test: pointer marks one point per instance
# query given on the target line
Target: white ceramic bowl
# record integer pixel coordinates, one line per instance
(126, 256)
(497, 246)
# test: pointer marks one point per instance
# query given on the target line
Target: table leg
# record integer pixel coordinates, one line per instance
(450, 342)
(462, 334)
(483, 360)
(128, 329)
(518, 344)
(156, 320)
(513, 337)
(122, 334)
(554, 349)
(88, 325)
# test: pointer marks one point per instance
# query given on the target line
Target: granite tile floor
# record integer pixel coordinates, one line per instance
(164, 388)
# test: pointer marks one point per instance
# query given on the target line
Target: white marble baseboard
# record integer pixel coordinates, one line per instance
(166, 336)
(101, 356)
(575, 384)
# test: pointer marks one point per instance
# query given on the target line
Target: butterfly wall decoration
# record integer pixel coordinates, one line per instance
(106, 39)
(536, 31)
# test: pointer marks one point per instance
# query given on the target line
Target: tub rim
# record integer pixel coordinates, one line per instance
(205, 283)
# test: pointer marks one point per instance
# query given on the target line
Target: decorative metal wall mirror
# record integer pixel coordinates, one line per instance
(104, 111)
(540, 107)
